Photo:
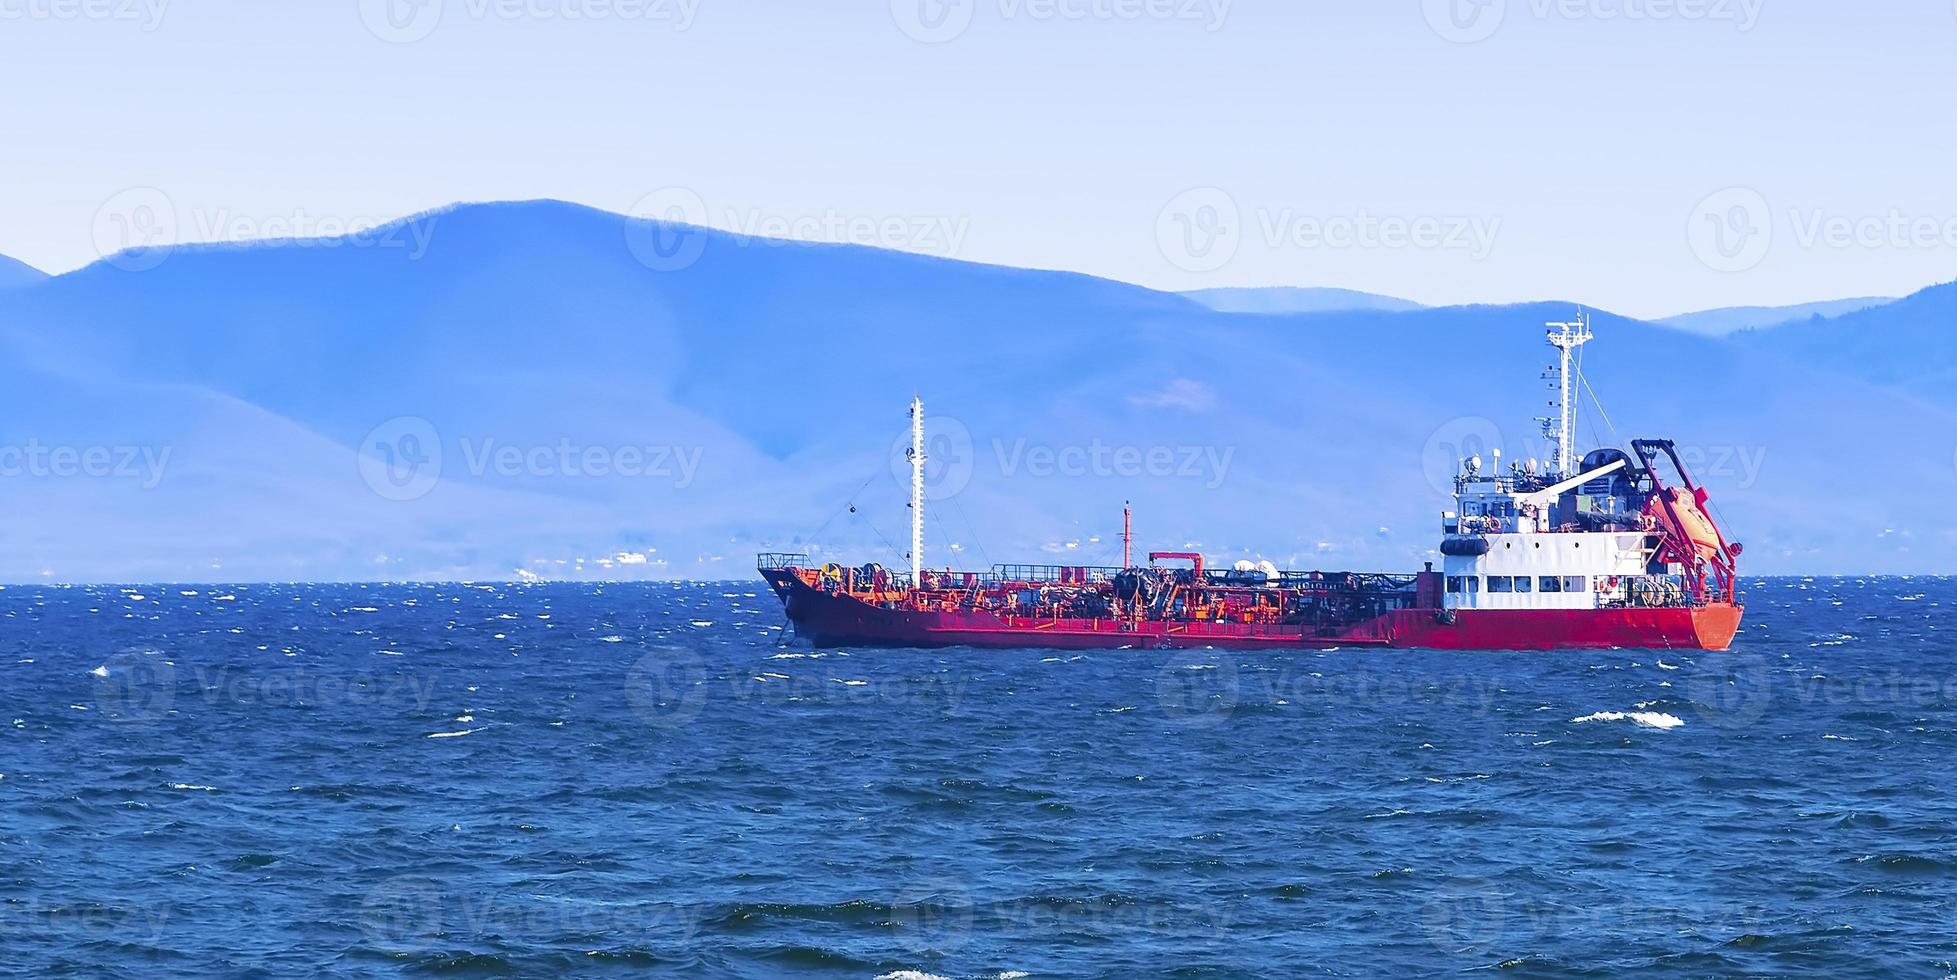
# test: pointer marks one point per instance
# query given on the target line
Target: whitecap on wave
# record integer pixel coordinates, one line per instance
(1643, 719)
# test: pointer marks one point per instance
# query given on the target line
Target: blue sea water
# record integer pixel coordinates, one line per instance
(578, 780)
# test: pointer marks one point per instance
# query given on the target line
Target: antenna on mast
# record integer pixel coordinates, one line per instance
(917, 492)
(1127, 536)
(1566, 338)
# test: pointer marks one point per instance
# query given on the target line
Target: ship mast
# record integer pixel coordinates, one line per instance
(917, 492)
(1565, 337)
(1127, 536)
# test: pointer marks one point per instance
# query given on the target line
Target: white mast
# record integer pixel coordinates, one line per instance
(917, 492)
(1565, 337)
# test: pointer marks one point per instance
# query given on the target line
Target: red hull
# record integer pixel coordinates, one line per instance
(841, 620)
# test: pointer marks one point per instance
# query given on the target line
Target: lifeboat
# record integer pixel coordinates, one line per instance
(1693, 521)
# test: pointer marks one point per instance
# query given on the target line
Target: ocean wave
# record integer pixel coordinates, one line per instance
(1643, 719)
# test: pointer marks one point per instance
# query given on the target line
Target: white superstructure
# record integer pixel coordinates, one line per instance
(1568, 538)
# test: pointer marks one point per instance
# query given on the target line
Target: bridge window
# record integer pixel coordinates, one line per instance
(1474, 584)
(1454, 584)
(1523, 583)
(1551, 583)
(1501, 583)
(1576, 583)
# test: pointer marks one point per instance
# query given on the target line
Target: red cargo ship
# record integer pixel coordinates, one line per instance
(1614, 550)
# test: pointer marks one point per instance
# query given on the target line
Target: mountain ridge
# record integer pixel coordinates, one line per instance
(1735, 319)
(1296, 299)
(15, 273)
(282, 378)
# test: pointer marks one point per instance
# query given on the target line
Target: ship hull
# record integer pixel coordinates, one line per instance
(840, 620)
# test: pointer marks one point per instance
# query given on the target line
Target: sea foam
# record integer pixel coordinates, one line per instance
(1644, 719)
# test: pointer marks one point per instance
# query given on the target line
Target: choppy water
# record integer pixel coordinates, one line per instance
(579, 780)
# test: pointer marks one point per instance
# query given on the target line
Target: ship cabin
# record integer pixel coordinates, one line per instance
(1522, 540)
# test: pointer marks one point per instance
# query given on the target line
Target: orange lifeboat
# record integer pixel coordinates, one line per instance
(1697, 527)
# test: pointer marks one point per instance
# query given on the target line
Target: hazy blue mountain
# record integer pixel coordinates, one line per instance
(14, 272)
(1909, 345)
(1288, 299)
(1731, 320)
(761, 387)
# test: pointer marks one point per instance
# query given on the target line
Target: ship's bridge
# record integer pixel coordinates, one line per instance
(1525, 540)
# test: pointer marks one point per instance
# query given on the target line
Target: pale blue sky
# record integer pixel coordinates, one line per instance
(1576, 151)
